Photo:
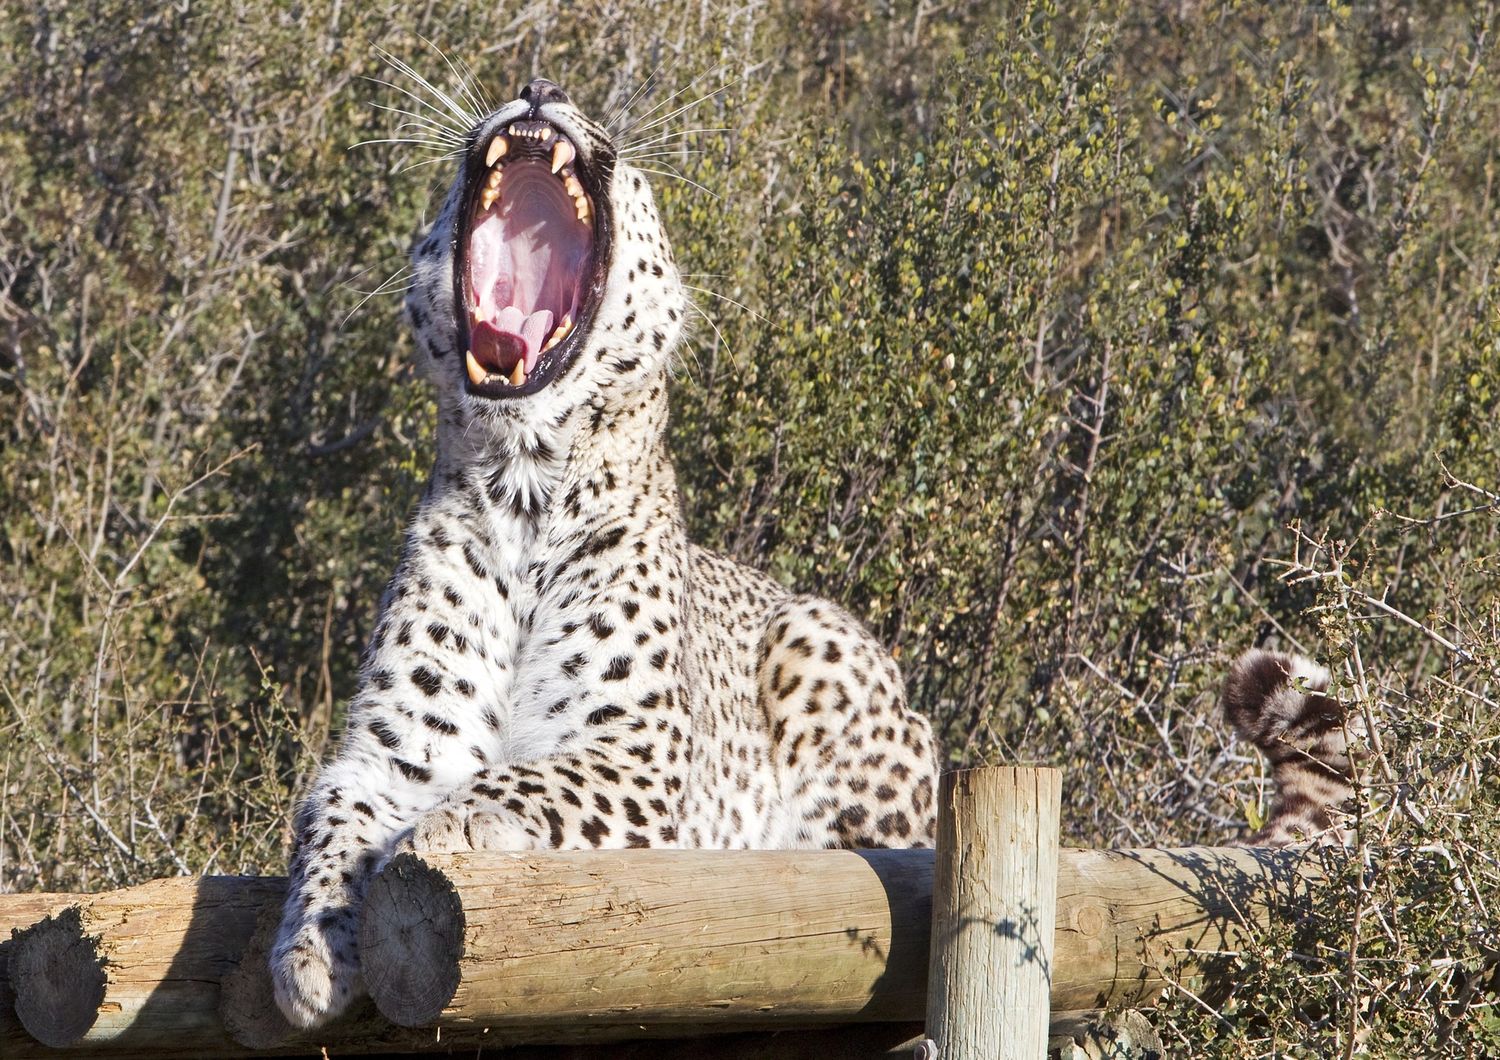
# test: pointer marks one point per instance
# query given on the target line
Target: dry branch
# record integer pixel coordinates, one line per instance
(605, 945)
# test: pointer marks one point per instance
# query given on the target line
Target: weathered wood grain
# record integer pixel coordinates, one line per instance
(994, 910)
(602, 945)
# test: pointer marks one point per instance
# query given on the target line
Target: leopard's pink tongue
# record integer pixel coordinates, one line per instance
(498, 345)
(496, 351)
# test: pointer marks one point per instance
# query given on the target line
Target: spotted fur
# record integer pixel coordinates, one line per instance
(555, 666)
(1280, 704)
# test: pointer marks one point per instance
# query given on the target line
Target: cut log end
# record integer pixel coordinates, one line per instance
(58, 978)
(411, 941)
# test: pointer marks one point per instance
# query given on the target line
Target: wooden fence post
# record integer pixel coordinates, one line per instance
(994, 908)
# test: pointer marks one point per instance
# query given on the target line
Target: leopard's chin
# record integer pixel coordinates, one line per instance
(532, 255)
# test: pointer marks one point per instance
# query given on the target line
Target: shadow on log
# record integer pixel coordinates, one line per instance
(612, 946)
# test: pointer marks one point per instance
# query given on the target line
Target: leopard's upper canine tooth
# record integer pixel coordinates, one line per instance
(518, 374)
(477, 373)
(562, 155)
(498, 146)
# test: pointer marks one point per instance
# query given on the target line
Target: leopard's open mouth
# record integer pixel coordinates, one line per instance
(531, 258)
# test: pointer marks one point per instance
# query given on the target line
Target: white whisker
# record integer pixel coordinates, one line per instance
(464, 87)
(406, 273)
(455, 109)
(624, 108)
(648, 126)
(401, 140)
(422, 121)
(688, 346)
(637, 124)
(678, 134)
(486, 103)
(443, 117)
(660, 156)
(434, 160)
(738, 304)
(677, 174)
(719, 335)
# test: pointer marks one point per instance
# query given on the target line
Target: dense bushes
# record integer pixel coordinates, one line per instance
(1027, 333)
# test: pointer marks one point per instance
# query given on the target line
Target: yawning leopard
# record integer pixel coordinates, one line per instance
(555, 665)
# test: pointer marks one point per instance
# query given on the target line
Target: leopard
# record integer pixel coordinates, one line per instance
(553, 664)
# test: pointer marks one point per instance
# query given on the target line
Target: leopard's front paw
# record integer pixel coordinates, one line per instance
(457, 829)
(314, 968)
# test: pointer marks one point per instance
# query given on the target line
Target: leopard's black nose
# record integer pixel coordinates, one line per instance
(543, 91)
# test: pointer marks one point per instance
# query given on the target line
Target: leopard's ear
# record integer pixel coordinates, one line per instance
(1279, 702)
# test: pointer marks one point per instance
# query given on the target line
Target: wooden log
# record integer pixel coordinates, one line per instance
(655, 921)
(644, 936)
(698, 936)
(994, 909)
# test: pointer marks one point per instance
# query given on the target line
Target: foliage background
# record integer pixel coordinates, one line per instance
(1076, 346)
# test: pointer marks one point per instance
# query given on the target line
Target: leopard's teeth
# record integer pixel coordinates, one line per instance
(493, 180)
(518, 374)
(498, 146)
(574, 186)
(489, 198)
(560, 332)
(562, 154)
(477, 374)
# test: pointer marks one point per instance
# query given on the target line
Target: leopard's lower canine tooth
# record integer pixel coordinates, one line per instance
(562, 154)
(476, 372)
(498, 146)
(560, 333)
(518, 374)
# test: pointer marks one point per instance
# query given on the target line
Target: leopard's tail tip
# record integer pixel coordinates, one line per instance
(1280, 703)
